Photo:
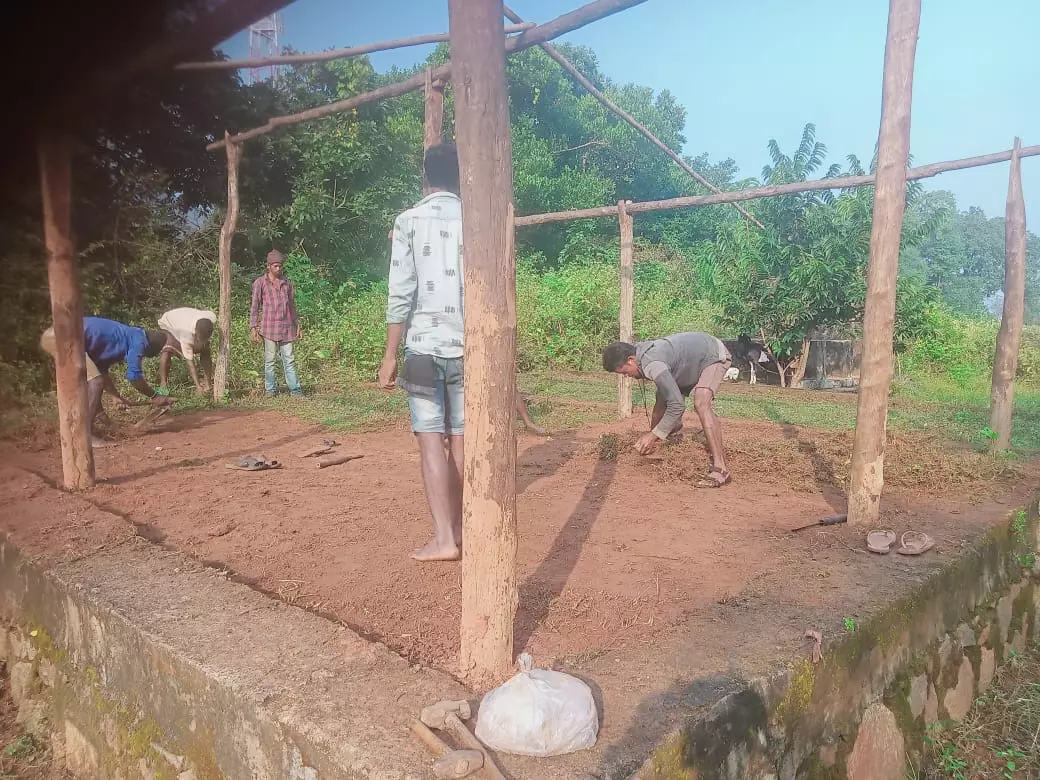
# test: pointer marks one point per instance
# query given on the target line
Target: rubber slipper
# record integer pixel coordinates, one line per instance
(254, 463)
(915, 543)
(881, 542)
(708, 482)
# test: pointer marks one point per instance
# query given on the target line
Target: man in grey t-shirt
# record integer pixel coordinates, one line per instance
(680, 364)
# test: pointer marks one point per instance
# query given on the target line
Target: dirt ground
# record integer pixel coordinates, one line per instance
(661, 596)
(614, 549)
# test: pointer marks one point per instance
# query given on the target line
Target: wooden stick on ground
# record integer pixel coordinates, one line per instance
(1005, 362)
(337, 460)
(868, 449)
(332, 54)
(610, 105)
(579, 17)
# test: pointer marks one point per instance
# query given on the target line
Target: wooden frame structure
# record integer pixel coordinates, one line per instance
(480, 44)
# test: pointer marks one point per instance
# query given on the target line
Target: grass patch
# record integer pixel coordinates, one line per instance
(1000, 737)
(940, 409)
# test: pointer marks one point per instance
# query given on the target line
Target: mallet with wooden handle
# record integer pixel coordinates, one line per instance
(445, 715)
(450, 763)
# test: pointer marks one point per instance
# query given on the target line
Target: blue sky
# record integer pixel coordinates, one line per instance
(751, 70)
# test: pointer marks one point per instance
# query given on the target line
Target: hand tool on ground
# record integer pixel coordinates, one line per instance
(832, 520)
(151, 417)
(324, 448)
(450, 763)
(458, 763)
(336, 460)
(445, 715)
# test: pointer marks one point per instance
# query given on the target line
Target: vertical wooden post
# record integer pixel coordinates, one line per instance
(489, 593)
(624, 401)
(227, 234)
(70, 364)
(433, 103)
(868, 450)
(1005, 362)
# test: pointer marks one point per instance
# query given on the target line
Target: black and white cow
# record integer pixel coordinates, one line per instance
(746, 352)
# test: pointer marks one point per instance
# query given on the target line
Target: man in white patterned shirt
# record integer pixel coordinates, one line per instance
(424, 309)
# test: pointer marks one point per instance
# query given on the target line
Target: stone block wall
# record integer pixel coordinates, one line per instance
(90, 735)
(863, 711)
(136, 662)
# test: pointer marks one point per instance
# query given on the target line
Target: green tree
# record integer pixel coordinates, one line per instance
(806, 272)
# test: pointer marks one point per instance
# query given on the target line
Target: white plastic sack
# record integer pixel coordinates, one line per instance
(538, 712)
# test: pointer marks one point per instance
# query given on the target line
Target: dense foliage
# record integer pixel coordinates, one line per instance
(148, 202)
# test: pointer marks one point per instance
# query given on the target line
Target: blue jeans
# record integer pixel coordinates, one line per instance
(444, 412)
(271, 350)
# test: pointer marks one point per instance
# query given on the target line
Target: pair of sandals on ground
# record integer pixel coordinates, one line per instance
(910, 543)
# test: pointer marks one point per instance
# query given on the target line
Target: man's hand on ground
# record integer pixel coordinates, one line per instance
(387, 373)
(647, 443)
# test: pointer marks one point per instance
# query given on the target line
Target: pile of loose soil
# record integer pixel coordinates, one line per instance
(811, 460)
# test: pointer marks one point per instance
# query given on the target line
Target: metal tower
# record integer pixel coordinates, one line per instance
(263, 42)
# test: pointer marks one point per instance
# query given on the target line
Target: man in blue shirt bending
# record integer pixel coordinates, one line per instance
(108, 343)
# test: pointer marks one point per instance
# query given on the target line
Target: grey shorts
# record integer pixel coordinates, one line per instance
(441, 410)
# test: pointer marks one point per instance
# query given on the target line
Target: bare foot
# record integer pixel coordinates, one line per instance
(432, 551)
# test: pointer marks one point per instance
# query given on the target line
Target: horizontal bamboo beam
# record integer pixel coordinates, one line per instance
(561, 25)
(735, 196)
(333, 54)
(626, 117)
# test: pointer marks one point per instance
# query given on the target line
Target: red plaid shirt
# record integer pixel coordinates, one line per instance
(274, 309)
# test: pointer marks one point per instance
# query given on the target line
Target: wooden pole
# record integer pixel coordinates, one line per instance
(732, 196)
(624, 400)
(70, 363)
(332, 54)
(561, 25)
(227, 234)
(626, 117)
(433, 104)
(489, 593)
(868, 450)
(1005, 362)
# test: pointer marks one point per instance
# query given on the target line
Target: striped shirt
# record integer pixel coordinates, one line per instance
(426, 276)
(274, 309)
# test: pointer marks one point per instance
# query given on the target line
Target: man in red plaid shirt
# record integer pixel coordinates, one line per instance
(272, 316)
